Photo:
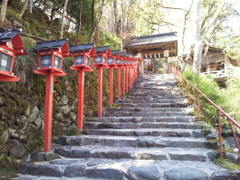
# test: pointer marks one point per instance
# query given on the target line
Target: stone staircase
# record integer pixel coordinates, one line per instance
(151, 135)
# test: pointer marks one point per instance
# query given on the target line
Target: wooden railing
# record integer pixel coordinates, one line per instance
(217, 74)
(220, 113)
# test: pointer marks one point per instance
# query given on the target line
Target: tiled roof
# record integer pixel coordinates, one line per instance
(123, 54)
(153, 39)
(54, 44)
(102, 49)
(7, 35)
(115, 52)
(81, 48)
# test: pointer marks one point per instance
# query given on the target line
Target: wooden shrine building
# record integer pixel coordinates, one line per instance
(153, 46)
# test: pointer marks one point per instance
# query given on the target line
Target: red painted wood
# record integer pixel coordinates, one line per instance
(80, 99)
(123, 80)
(48, 113)
(110, 85)
(126, 83)
(119, 82)
(100, 69)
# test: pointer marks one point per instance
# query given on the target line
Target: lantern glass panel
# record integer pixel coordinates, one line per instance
(110, 60)
(5, 62)
(87, 61)
(98, 59)
(79, 60)
(104, 60)
(46, 61)
(118, 61)
(57, 62)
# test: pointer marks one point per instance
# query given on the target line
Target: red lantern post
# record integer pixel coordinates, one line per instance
(11, 45)
(130, 71)
(126, 64)
(112, 64)
(100, 62)
(81, 63)
(123, 78)
(50, 55)
(119, 63)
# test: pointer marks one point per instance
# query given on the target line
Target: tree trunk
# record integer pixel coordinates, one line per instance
(115, 16)
(43, 11)
(23, 9)
(53, 12)
(93, 5)
(63, 17)
(96, 22)
(212, 24)
(80, 22)
(3, 12)
(30, 6)
(198, 39)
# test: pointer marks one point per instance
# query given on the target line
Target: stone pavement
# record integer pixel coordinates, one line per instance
(151, 135)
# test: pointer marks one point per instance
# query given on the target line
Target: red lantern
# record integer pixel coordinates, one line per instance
(100, 62)
(81, 63)
(50, 55)
(11, 45)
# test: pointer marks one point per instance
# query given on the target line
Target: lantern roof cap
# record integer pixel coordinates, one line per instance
(47, 45)
(115, 52)
(7, 35)
(123, 54)
(81, 47)
(102, 49)
(13, 35)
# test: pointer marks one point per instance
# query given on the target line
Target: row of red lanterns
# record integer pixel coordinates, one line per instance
(50, 56)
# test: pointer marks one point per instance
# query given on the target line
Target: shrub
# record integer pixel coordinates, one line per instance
(210, 88)
(227, 98)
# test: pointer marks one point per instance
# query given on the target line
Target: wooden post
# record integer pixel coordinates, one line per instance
(48, 112)
(123, 80)
(220, 135)
(110, 85)
(100, 69)
(119, 82)
(80, 99)
(126, 82)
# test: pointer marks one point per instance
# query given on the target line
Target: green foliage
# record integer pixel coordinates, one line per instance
(72, 131)
(225, 164)
(158, 63)
(227, 98)
(233, 47)
(113, 105)
(8, 166)
(73, 10)
(210, 88)
(232, 95)
(107, 39)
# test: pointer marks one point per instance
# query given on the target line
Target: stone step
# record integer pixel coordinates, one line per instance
(156, 132)
(180, 154)
(140, 119)
(153, 105)
(151, 135)
(151, 100)
(141, 142)
(155, 93)
(125, 169)
(130, 125)
(144, 114)
(135, 88)
(148, 109)
(151, 97)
